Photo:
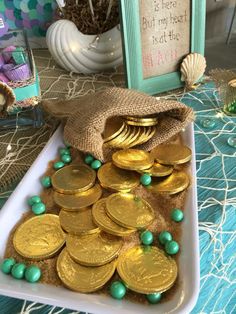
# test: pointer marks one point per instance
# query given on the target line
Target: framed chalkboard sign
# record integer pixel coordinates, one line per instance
(157, 35)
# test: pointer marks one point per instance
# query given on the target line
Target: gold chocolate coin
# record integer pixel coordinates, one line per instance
(105, 223)
(132, 159)
(158, 170)
(129, 210)
(119, 138)
(79, 200)
(171, 154)
(78, 222)
(147, 269)
(39, 237)
(73, 179)
(177, 182)
(113, 128)
(94, 249)
(81, 278)
(144, 131)
(141, 121)
(117, 179)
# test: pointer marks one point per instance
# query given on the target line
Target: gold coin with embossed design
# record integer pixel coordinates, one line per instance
(114, 178)
(171, 154)
(94, 249)
(105, 223)
(78, 222)
(79, 200)
(129, 210)
(158, 170)
(39, 237)
(82, 278)
(132, 159)
(142, 121)
(177, 182)
(147, 269)
(73, 179)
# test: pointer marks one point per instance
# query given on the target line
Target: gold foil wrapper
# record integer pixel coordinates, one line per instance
(94, 249)
(81, 278)
(147, 269)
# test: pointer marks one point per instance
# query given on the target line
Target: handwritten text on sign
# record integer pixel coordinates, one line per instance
(165, 32)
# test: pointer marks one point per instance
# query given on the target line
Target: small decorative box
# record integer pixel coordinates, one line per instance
(18, 73)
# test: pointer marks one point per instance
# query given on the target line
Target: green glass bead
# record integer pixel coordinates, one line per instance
(232, 141)
(38, 208)
(18, 271)
(208, 123)
(32, 273)
(88, 159)
(64, 151)
(177, 215)
(46, 182)
(7, 265)
(164, 237)
(66, 159)
(34, 200)
(145, 179)
(96, 164)
(171, 247)
(117, 290)
(146, 237)
(67, 144)
(58, 165)
(153, 298)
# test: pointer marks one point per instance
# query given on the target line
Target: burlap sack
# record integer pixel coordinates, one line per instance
(86, 117)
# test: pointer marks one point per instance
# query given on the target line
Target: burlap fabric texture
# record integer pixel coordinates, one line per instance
(86, 117)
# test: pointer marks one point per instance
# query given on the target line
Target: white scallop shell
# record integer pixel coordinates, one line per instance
(232, 83)
(7, 96)
(81, 53)
(192, 68)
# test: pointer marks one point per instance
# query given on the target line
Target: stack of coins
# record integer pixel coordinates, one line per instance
(91, 228)
(130, 131)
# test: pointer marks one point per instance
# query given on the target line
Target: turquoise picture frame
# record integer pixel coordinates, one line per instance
(132, 49)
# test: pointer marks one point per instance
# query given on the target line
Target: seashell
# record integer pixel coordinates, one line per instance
(192, 69)
(232, 83)
(7, 97)
(82, 53)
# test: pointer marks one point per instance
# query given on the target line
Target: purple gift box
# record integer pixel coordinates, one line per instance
(7, 53)
(19, 72)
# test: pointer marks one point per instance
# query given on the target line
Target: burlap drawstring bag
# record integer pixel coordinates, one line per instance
(86, 117)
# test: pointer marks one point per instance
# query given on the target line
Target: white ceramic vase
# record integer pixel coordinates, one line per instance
(81, 53)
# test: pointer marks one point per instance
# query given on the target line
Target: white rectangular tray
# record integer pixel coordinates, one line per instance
(183, 300)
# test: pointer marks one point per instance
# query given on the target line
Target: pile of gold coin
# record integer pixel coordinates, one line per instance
(130, 131)
(89, 230)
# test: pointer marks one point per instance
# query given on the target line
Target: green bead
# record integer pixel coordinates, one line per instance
(66, 159)
(32, 273)
(7, 265)
(67, 144)
(171, 247)
(153, 298)
(18, 270)
(38, 208)
(64, 151)
(146, 237)
(88, 159)
(145, 179)
(164, 237)
(96, 164)
(46, 182)
(58, 165)
(117, 290)
(34, 200)
(177, 215)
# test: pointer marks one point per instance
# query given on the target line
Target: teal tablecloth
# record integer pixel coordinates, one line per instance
(216, 171)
